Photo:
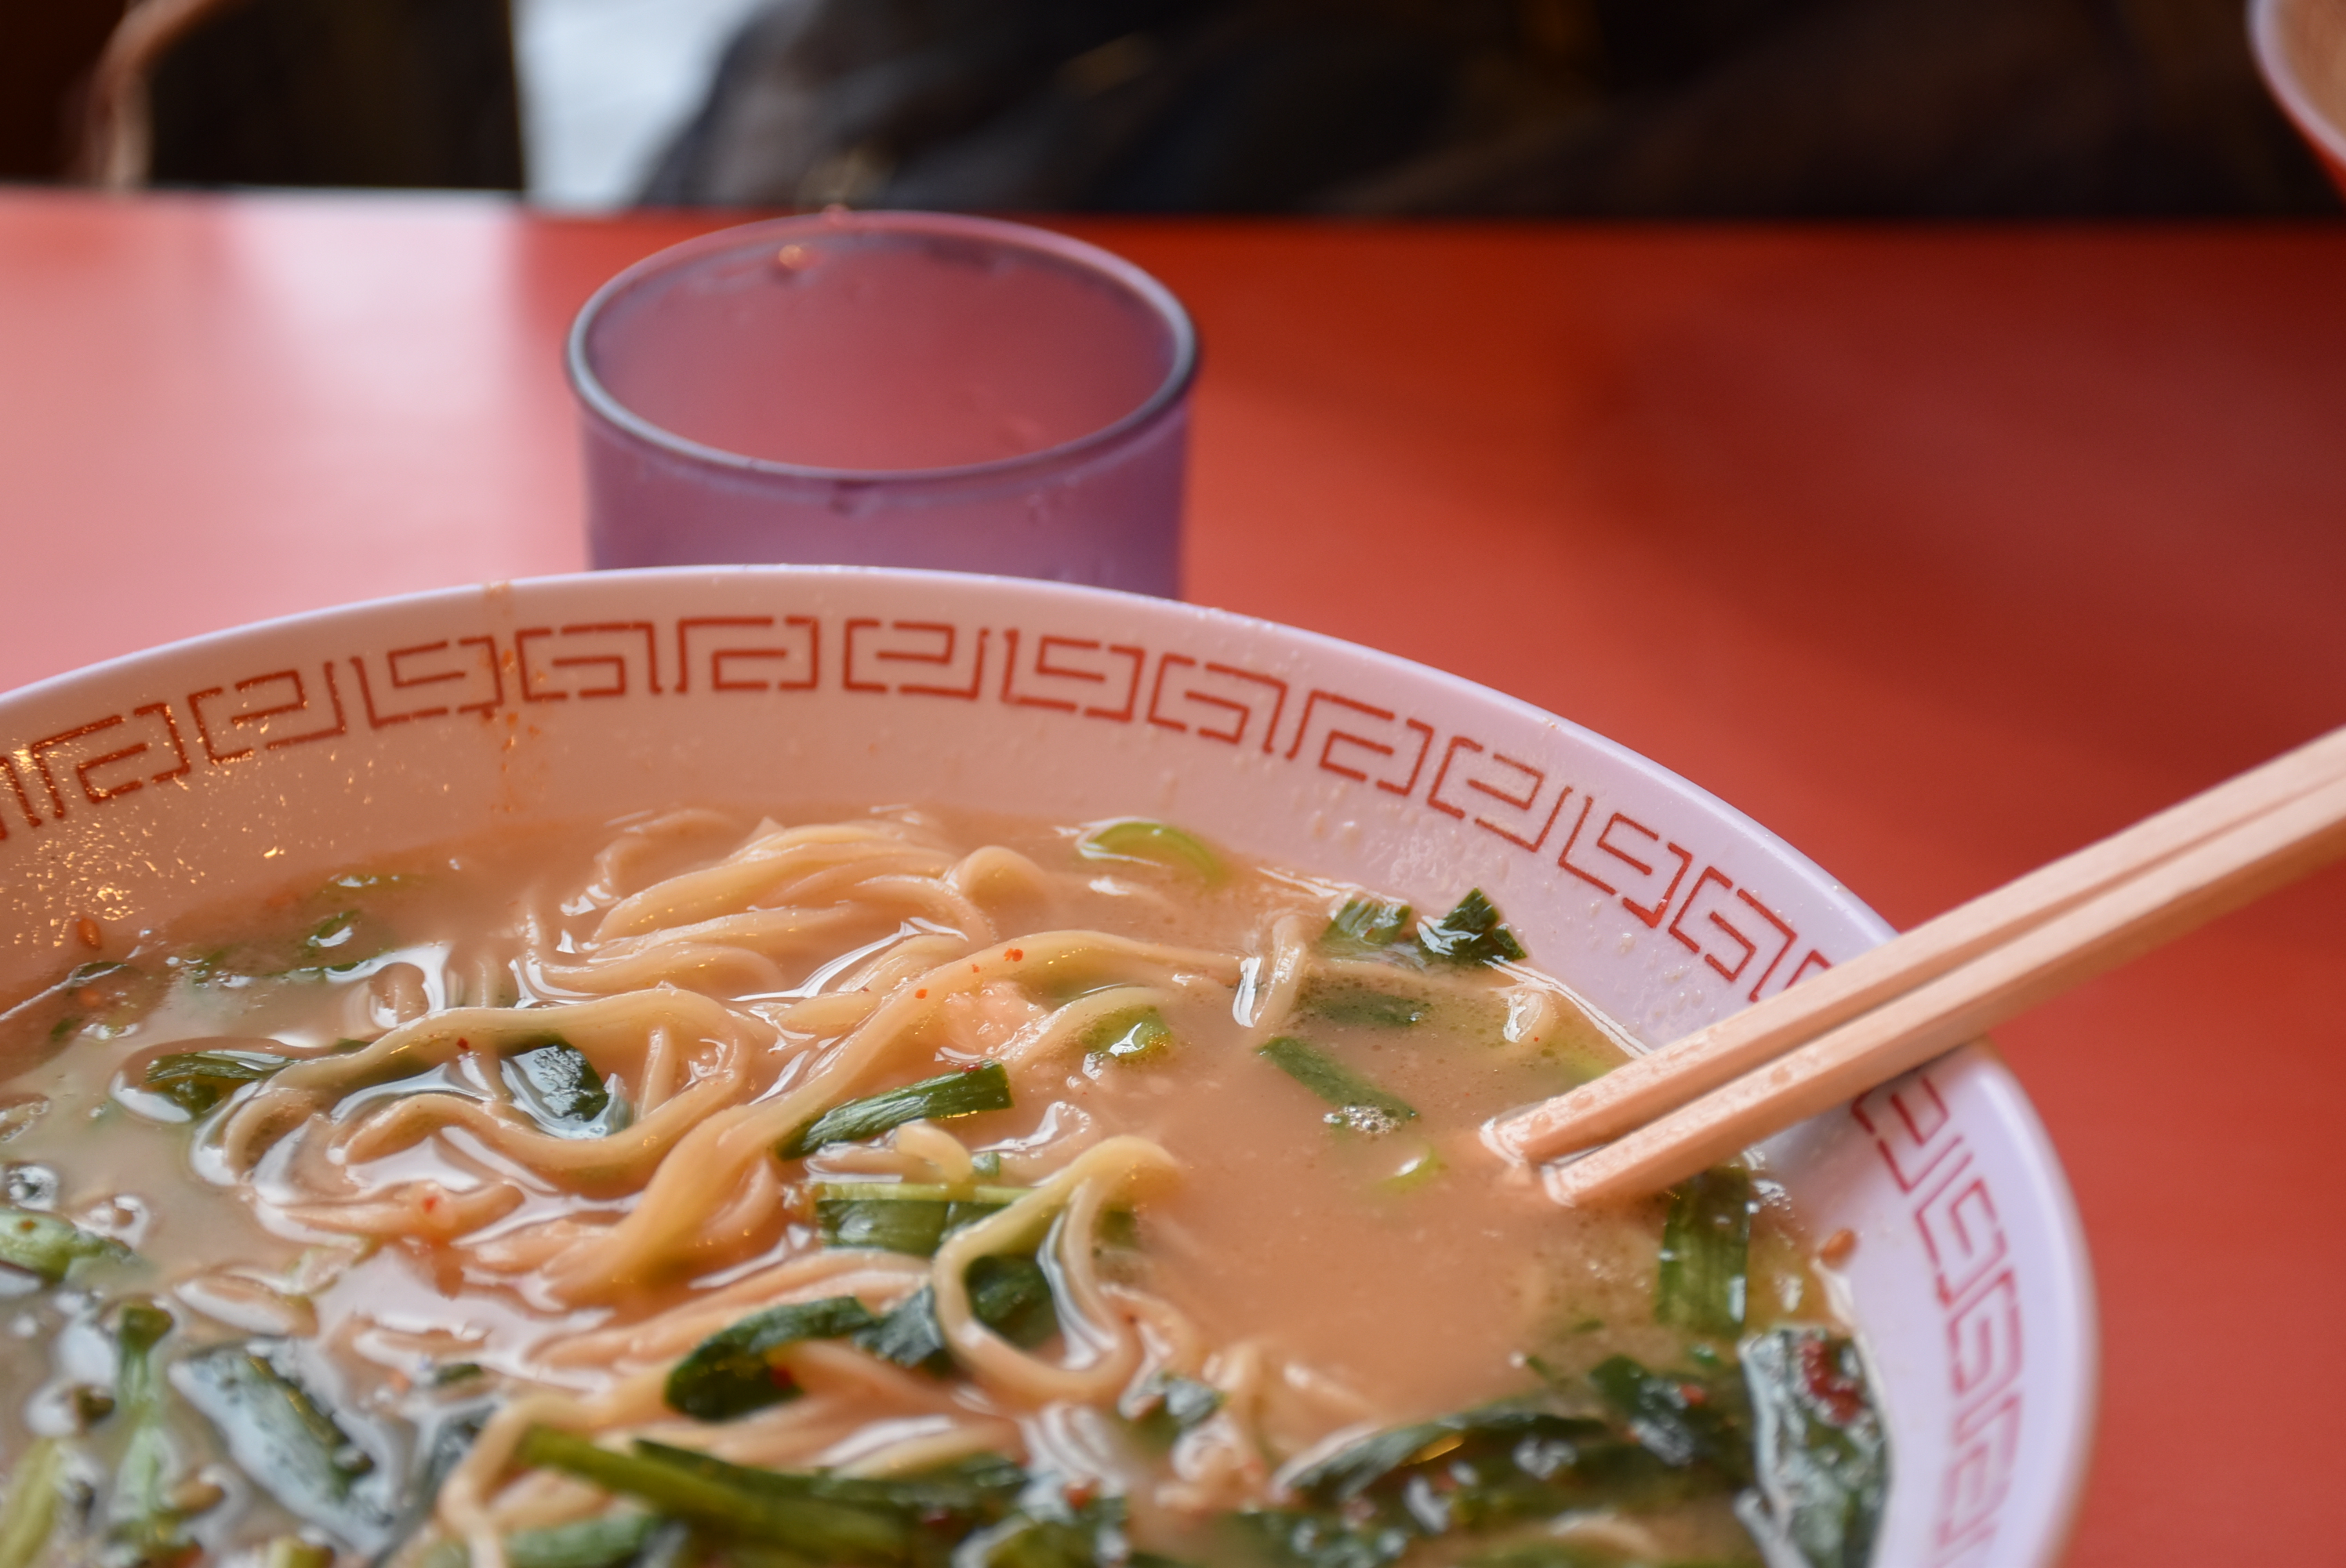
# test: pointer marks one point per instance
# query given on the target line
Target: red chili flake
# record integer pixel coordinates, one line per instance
(1693, 1395)
(973, 969)
(463, 1043)
(920, 995)
(86, 929)
(1827, 1385)
(430, 1203)
(1080, 1493)
(90, 996)
(780, 1376)
(1016, 956)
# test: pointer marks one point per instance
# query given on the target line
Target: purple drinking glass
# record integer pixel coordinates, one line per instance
(888, 389)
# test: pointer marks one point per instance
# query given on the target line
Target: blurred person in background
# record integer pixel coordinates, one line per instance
(1644, 109)
(1632, 108)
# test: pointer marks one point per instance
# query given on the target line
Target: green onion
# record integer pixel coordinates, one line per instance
(1707, 1254)
(1136, 1035)
(603, 1542)
(909, 1335)
(733, 1371)
(820, 1529)
(977, 1490)
(49, 1247)
(957, 1094)
(1360, 1105)
(29, 1511)
(1364, 927)
(1311, 1539)
(1682, 1422)
(292, 1551)
(1415, 1171)
(1470, 936)
(879, 1215)
(1138, 838)
(1176, 1404)
(195, 1081)
(554, 1080)
(1364, 1006)
(288, 1444)
(1819, 1446)
(1010, 1294)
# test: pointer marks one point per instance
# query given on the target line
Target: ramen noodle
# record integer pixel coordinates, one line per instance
(890, 1187)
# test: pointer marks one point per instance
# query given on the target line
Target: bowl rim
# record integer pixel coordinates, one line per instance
(2070, 1287)
(2279, 65)
(598, 401)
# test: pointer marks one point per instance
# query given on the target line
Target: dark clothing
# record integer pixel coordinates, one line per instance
(1851, 109)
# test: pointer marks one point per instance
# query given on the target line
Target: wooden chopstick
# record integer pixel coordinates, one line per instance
(2173, 896)
(1650, 1087)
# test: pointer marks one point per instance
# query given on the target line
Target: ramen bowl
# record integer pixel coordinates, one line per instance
(238, 766)
(2300, 48)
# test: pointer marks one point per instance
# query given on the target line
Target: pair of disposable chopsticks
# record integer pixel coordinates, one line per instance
(1664, 1116)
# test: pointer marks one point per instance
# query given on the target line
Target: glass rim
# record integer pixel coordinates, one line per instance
(600, 402)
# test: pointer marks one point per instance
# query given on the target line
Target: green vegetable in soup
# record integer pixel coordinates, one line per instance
(1819, 1451)
(46, 1246)
(1366, 928)
(195, 1081)
(604, 1543)
(285, 1438)
(1008, 1294)
(906, 1217)
(1140, 1034)
(963, 1093)
(962, 1495)
(1137, 839)
(1360, 1105)
(1687, 1422)
(1470, 936)
(734, 1371)
(909, 1335)
(711, 1492)
(29, 1511)
(1365, 1006)
(554, 1082)
(1707, 1254)
(143, 1527)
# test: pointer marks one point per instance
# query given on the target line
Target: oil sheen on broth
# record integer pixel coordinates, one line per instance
(887, 1188)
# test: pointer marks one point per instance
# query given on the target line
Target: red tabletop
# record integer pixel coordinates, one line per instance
(1939, 551)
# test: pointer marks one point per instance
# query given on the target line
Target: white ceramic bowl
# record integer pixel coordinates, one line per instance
(259, 758)
(2300, 49)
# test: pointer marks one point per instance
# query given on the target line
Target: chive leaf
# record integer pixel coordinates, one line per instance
(1155, 843)
(733, 1373)
(278, 1433)
(556, 1084)
(1365, 1006)
(1683, 1421)
(1009, 1293)
(1471, 936)
(916, 1225)
(1134, 1035)
(44, 1245)
(1707, 1254)
(29, 1511)
(195, 1081)
(706, 1493)
(1360, 1105)
(1818, 1444)
(1366, 928)
(962, 1092)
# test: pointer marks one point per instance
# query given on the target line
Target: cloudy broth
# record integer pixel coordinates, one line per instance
(853, 1186)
